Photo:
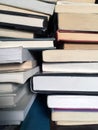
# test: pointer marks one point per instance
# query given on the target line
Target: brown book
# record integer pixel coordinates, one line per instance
(77, 36)
(79, 46)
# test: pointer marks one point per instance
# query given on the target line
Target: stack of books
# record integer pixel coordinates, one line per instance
(25, 19)
(17, 66)
(70, 73)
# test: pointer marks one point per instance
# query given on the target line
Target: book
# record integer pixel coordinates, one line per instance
(33, 5)
(32, 44)
(61, 55)
(16, 67)
(9, 99)
(74, 127)
(15, 9)
(78, 123)
(50, 82)
(13, 33)
(77, 21)
(74, 116)
(63, 6)
(79, 46)
(18, 77)
(84, 1)
(73, 102)
(83, 68)
(77, 36)
(72, 15)
(15, 55)
(23, 21)
(8, 87)
(17, 114)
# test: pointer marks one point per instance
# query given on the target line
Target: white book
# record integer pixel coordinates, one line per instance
(89, 68)
(36, 43)
(9, 99)
(33, 5)
(65, 83)
(14, 55)
(73, 102)
(19, 112)
(18, 77)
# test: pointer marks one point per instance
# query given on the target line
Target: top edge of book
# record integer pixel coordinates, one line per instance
(34, 5)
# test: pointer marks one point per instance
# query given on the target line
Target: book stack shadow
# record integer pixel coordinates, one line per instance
(26, 28)
(70, 72)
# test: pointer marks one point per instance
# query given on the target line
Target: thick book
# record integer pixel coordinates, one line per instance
(65, 83)
(84, 68)
(13, 33)
(33, 5)
(74, 116)
(18, 77)
(73, 102)
(23, 21)
(17, 67)
(9, 99)
(77, 36)
(17, 114)
(15, 55)
(32, 44)
(61, 55)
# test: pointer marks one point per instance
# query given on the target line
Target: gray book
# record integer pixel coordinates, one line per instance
(33, 5)
(18, 77)
(9, 99)
(14, 55)
(18, 113)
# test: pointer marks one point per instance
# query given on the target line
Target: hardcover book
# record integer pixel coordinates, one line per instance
(61, 55)
(33, 5)
(74, 116)
(73, 102)
(23, 21)
(14, 55)
(18, 77)
(77, 36)
(36, 43)
(50, 82)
